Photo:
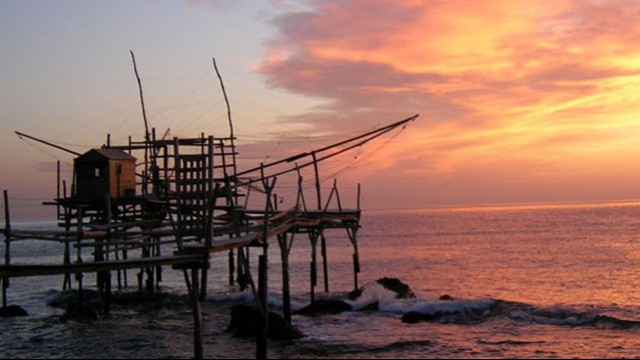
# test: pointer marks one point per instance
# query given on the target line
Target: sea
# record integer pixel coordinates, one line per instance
(522, 281)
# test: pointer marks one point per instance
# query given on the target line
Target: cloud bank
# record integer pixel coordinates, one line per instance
(530, 95)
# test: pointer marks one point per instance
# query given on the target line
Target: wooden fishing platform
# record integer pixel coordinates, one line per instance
(128, 202)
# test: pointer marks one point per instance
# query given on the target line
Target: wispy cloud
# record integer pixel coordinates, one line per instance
(498, 82)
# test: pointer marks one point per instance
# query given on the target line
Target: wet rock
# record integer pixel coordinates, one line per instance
(402, 290)
(69, 299)
(354, 294)
(374, 306)
(244, 323)
(81, 313)
(12, 311)
(325, 306)
(413, 317)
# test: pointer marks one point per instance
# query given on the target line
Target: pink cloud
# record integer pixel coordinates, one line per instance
(498, 79)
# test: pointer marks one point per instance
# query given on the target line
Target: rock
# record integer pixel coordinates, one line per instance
(374, 306)
(354, 294)
(81, 313)
(413, 317)
(69, 299)
(326, 306)
(446, 297)
(244, 324)
(401, 289)
(12, 311)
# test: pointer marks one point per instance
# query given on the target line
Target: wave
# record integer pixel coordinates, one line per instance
(478, 311)
(468, 312)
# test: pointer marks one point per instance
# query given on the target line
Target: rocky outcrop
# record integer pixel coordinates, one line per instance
(12, 311)
(81, 313)
(402, 290)
(245, 324)
(324, 306)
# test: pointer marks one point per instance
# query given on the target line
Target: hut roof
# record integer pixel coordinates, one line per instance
(109, 154)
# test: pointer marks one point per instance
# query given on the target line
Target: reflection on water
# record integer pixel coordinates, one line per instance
(527, 281)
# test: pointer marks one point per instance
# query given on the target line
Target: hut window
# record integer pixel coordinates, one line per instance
(96, 172)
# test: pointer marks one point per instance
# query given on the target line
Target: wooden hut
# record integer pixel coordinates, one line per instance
(99, 172)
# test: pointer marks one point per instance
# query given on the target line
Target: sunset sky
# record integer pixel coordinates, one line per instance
(519, 101)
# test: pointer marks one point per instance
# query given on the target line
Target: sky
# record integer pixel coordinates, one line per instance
(519, 101)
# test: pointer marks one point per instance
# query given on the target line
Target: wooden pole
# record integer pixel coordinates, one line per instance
(21, 135)
(325, 265)
(261, 340)
(7, 246)
(58, 190)
(285, 247)
(356, 259)
(210, 200)
(197, 315)
(231, 267)
(106, 275)
(144, 117)
(317, 174)
(66, 283)
(231, 135)
(313, 237)
(79, 254)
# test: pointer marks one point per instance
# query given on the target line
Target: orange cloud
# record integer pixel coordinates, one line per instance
(510, 88)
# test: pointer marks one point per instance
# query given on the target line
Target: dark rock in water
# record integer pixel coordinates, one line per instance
(12, 311)
(69, 299)
(326, 306)
(401, 289)
(413, 317)
(374, 306)
(446, 297)
(82, 313)
(244, 323)
(354, 294)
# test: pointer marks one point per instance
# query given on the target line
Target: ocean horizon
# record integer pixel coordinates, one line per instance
(527, 280)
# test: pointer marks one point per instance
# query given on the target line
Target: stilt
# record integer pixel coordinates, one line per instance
(66, 282)
(356, 259)
(313, 237)
(261, 340)
(79, 254)
(124, 272)
(231, 268)
(107, 295)
(7, 246)
(197, 315)
(325, 266)
(285, 248)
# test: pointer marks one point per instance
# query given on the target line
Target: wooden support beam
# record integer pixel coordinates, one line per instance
(7, 247)
(313, 238)
(43, 270)
(197, 315)
(261, 340)
(285, 249)
(325, 265)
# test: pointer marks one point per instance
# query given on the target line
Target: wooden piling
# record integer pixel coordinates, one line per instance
(313, 266)
(198, 352)
(79, 253)
(66, 282)
(7, 246)
(325, 265)
(285, 249)
(261, 340)
(231, 267)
